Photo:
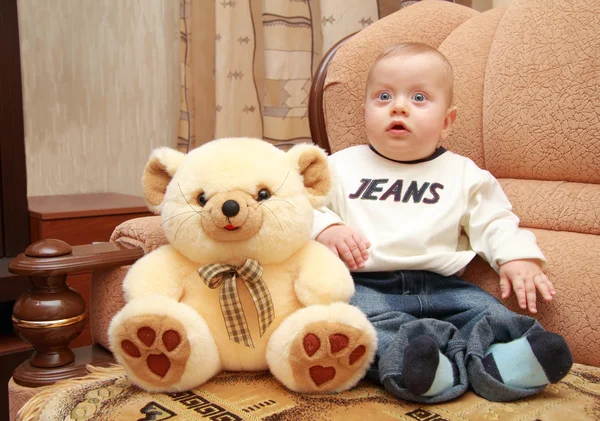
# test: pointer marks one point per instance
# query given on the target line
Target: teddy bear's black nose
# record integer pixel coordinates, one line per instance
(230, 208)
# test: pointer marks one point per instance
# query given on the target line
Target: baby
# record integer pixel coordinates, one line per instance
(426, 212)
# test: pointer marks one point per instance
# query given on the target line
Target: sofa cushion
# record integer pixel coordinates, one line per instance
(555, 205)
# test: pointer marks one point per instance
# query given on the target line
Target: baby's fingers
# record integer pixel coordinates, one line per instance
(519, 287)
(363, 246)
(544, 286)
(504, 287)
(550, 286)
(531, 293)
(356, 254)
(345, 254)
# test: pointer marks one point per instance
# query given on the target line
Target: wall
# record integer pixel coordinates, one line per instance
(100, 91)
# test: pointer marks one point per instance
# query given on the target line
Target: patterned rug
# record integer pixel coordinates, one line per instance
(107, 394)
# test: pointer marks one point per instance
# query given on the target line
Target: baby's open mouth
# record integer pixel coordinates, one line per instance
(397, 126)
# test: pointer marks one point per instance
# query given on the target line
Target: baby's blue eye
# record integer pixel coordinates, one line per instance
(419, 97)
(384, 96)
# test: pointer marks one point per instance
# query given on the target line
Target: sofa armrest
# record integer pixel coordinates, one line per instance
(145, 233)
(106, 287)
(50, 315)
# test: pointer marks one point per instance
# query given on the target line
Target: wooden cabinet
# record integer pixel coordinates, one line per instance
(81, 219)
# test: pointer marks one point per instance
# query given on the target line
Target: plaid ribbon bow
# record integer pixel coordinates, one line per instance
(235, 321)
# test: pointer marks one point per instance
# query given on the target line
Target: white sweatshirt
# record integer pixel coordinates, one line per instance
(416, 214)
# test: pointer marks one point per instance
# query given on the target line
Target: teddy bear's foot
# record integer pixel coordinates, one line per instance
(326, 355)
(157, 351)
(331, 351)
(154, 347)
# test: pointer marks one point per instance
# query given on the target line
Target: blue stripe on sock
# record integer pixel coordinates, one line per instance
(444, 377)
(517, 364)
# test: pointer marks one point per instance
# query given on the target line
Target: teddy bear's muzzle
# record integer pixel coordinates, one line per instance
(234, 216)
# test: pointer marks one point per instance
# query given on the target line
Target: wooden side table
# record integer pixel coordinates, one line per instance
(81, 219)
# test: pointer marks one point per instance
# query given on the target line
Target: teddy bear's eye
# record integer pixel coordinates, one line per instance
(263, 194)
(202, 199)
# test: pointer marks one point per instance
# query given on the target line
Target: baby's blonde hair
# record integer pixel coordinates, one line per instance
(409, 49)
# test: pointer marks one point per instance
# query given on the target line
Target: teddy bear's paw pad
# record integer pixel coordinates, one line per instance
(321, 375)
(158, 364)
(329, 355)
(156, 351)
(337, 343)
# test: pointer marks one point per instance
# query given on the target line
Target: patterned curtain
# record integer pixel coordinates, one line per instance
(247, 65)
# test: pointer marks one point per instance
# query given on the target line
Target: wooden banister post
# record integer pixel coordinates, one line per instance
(50, 315)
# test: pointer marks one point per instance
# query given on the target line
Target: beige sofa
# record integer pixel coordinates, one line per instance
(528, 96)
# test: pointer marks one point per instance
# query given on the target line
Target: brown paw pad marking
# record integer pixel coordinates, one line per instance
(358, 352)
(157, 363)
(337, 342)
(321, 374)
(311, 344)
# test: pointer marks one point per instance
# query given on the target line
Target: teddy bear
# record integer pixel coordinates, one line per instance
(240, 286)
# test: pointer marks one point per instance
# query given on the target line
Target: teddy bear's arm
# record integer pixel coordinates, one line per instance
(322, 278)
(160, 272)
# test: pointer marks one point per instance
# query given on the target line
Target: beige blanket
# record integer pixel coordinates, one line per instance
(107, 394)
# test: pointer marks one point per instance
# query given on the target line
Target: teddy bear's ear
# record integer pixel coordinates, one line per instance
(158, 173)
(313, 167)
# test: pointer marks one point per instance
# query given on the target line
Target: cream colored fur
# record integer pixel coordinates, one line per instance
(299, 273)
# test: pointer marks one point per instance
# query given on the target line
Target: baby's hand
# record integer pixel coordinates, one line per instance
(346, 243)
(525, 276)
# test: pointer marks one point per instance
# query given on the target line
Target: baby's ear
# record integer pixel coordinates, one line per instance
(312, 165)
(448, 122)
(159, 171)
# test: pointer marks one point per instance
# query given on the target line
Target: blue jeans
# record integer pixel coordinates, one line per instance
(463, 319)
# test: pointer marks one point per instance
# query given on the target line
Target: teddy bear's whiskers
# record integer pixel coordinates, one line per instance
(276, 218)
(184, 198)
(182, 213)
(273, 199)
(284, 180)
(186, 219)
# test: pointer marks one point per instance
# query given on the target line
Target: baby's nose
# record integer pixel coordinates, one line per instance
(400, 107)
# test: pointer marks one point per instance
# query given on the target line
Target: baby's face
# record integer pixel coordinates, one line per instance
(408, 106)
